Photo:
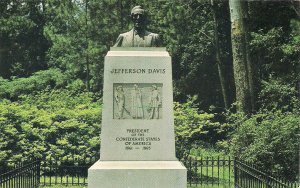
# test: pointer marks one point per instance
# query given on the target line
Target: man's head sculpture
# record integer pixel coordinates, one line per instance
(138, 17)
(138, 36)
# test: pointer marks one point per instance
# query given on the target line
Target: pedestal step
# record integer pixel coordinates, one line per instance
(137, 174)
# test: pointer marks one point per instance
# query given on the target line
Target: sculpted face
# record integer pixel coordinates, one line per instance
(138, 21)
(138, 18)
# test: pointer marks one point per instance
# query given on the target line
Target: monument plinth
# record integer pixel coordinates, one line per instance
(137, 135)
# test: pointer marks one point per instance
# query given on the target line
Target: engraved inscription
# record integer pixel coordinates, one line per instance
(138, 71)
(138, 139)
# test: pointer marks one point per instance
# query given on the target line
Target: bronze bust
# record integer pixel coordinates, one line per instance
(138, 36)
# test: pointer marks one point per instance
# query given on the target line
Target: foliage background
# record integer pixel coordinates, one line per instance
(51, 71)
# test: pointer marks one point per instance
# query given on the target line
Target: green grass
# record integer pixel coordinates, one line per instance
(193, 186)
(208, 152)
(209, 176)
(62, 186)
(62, 180)
(210, 186)
(199, 186)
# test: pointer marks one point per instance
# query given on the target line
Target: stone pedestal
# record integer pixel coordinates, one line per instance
(137, 135)
(137, 174)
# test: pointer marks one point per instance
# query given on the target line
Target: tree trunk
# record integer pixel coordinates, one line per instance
(87, 60)
(250, 66)
(242, 66)
(220, 64)
(121, 15)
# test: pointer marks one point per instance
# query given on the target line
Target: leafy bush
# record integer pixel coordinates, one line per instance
(53, 123)
(269, 140)
(61, 123)
(269, 137)
(277, 94)
(191, 127)
(37, 82)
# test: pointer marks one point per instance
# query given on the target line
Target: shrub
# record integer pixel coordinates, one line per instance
(37, 82)
(269, 140)
(53, 123)
(191, 127)
(277, 94)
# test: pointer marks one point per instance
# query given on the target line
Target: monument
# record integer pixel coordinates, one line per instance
(137, 135)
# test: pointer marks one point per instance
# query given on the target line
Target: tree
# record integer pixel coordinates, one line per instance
(66, 29)
(23, 45)
(243, 69)
(221, 32)
(81, 33)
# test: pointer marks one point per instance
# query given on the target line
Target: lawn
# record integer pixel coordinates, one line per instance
(193, 186)
(63, 186)
(206, 175)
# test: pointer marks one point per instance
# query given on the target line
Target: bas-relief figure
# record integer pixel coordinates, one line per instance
(120, 100)
(137, 102)
(138, 36)
(155, 103)
(137, 105)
